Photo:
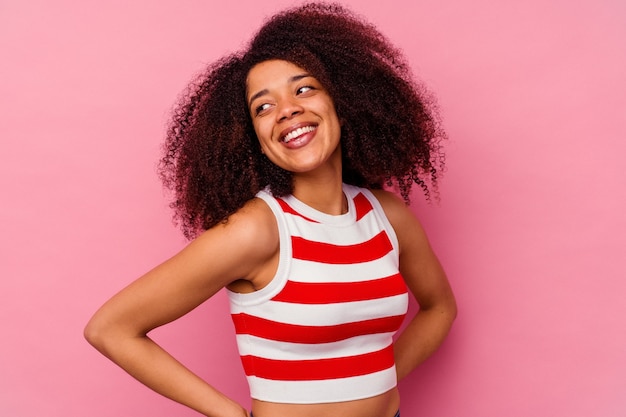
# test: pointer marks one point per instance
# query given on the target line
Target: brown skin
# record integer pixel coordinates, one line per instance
(287, 105)
(120, 328)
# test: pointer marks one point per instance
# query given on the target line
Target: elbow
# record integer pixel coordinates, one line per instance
(93, 333)
(98, 334)
(452, 309)
(108, 334)
(447, 309)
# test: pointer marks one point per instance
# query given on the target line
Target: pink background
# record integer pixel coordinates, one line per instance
(531, 226)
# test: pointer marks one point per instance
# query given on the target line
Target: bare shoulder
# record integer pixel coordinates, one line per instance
(404, 222)
(235, 248)
(250, 238)
(253, 223)
(395, 209)
(251, 232)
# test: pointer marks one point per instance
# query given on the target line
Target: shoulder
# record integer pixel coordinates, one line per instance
(394, 207)
(406, 225)
(255, 214)
(248, 238)
(252, 225)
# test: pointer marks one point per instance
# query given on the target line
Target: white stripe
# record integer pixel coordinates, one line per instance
(271, 349)
(368, 227)
(316, 272)
(325, 391)
(310, 271)
(327, 314)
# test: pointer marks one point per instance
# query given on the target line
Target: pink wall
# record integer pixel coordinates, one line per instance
(531, 226)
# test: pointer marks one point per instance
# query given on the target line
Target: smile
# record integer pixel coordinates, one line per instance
(297, 132)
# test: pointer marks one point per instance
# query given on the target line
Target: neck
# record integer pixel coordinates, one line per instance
(324, 194)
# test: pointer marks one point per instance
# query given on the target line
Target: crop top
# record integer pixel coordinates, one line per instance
(321, 331)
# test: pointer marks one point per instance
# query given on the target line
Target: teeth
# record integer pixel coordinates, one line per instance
(297, 132)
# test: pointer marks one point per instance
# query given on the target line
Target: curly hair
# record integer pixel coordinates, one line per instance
(390, 133)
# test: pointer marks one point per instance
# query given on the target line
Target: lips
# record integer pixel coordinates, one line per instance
(296, 131)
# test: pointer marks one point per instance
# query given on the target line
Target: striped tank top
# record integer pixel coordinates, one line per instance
(321, 330)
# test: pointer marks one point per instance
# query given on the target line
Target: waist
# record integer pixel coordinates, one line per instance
(386, 404)
(395, 415)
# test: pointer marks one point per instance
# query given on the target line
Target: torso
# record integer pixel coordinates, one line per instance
(383, 405)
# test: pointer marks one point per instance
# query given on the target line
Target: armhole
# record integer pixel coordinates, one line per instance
(282, 271)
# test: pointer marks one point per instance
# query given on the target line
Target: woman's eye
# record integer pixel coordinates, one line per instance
(261, 108)
(304, 89)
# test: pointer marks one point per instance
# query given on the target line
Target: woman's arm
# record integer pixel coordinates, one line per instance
(427, 282)
(239, 248)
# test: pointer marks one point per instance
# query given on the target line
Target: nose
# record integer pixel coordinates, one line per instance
(288, 108)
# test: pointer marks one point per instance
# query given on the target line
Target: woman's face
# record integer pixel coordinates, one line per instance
(293, 116)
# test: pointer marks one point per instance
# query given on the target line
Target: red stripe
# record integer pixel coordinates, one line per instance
(340, 292)
(295, 333)
(288, 209)
(309, 250)
(362, 205)
(318, 369)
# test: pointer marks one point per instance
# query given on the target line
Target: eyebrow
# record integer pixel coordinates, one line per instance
(266, 91)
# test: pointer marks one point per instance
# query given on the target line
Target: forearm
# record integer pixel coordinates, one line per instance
(146, 361)
(422, 336)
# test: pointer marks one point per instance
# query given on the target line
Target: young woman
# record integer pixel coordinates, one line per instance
(277, 156)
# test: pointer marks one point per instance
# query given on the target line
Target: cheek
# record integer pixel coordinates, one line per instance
(262, 138)
(262, 133)
(264, 146)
